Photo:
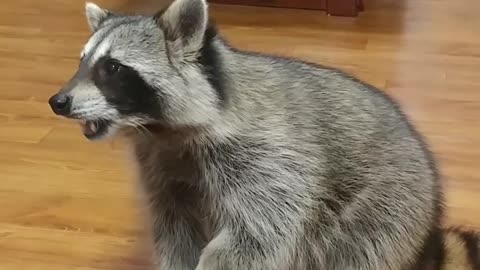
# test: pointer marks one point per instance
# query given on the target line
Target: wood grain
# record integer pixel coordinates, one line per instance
(66, 203)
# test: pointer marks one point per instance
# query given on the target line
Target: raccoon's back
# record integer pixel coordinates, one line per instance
(323, 108)
(310, 95)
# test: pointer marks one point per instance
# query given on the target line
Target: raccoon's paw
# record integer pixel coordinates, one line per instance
(210, 261)
(211, 258)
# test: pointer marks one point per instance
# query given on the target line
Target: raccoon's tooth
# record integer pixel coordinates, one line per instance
(93, 127)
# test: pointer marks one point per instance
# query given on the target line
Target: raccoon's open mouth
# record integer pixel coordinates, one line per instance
(95, 129)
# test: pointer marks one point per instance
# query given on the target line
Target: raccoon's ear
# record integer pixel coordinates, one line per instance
(184, 24)
(95, 15)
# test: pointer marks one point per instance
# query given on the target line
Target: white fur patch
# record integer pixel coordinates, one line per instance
(93, 42)
(207, 260)
(89, 103)
(102, 49)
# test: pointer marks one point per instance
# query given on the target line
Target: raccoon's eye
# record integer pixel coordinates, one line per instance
(112, 67)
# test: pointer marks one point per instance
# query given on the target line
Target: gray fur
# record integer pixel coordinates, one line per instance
(301, 167)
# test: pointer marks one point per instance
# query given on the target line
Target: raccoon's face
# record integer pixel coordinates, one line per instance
(141, 70)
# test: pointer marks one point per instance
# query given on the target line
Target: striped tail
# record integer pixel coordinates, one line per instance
(452, 249)
(461, 249)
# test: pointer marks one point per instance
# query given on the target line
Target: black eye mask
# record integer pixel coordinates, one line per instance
(124, 88)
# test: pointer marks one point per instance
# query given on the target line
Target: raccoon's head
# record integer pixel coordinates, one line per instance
(144, 70)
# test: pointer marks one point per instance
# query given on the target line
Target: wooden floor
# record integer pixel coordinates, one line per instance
(66, 203)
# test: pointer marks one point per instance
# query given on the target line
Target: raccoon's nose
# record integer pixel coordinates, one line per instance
(60, 104)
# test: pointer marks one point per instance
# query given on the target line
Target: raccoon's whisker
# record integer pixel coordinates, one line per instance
(144, 130)
(138, 126)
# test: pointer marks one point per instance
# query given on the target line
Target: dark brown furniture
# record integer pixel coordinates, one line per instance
(332, 7)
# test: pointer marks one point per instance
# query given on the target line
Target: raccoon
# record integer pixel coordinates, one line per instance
(259, 162)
